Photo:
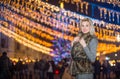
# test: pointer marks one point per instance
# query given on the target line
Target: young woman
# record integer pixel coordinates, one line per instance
(83, 51)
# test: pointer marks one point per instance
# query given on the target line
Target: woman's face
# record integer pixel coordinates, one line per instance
(85, 27)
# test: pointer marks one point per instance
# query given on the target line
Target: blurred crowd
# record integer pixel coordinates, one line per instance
(105, 70)
(45, 68)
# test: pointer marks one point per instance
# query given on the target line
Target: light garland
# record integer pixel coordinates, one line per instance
(118, 38)
(28, 36)
(71, 20)
(43, 28)
(27, 27)
(107, 48)
(100, 8)
(105, 34)
(26, 42)
(114, 2)
(103, 12)
(48, 6)
(48, 20)
(47, 9)
(107, 10)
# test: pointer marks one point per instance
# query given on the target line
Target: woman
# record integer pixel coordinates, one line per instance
(83, 51)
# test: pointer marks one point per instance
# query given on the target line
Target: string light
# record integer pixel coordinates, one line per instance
(28, 36)
(73, 23)
(53, 32)
(55, 9)
(44, 8)
(61, 5)
(26, 42)
(118, 38)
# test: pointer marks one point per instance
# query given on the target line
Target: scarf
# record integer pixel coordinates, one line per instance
(80, 62)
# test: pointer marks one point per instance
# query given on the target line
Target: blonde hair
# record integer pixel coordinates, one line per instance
(92, 30)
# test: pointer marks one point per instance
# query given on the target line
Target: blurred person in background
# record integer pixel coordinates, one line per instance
(5, 66)
(97, 66)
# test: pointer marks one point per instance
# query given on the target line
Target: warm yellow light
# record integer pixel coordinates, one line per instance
(98, 54)
(26, 42)
(62, 5)
(118, 37)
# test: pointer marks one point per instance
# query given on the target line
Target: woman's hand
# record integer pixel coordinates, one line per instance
(82, 42)
(76, 39)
